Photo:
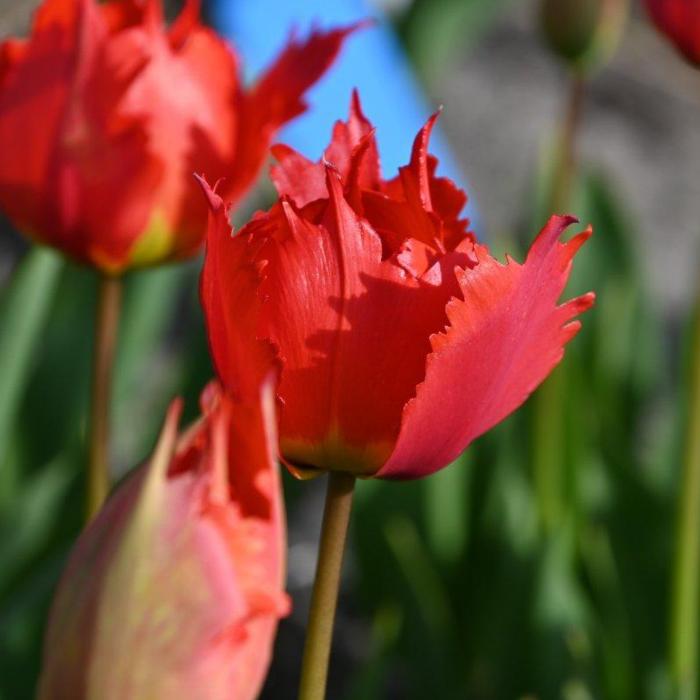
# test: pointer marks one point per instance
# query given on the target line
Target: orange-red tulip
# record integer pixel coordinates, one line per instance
(679, 20)
(105, 113)
(399, 337)
(176, 588)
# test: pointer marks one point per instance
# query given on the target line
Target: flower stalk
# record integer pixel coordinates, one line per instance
(686, 573)
(324, 597)
(565, 175)
(106, 328)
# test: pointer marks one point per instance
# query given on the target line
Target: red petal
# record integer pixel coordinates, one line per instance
(191, 128)
(297, 177)
(120, 15)
(417, 204)
(298, 67)
(680, 21)
(353, 137)
(185, 24)
(278, 98)
(232, 307)
(242, 446)
(12, 51)
(448, 202)
(504, 338)
(363, 171)
(404, 208)
(352, 152)
(398, 221)
(415, 176)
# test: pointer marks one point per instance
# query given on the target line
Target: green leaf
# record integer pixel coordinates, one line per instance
(25, 307)
(447, 511)
(420, 574)
(148, 370)
(31, 517)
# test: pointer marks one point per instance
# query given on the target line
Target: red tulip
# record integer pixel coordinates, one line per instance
(679, 20)
(105, 113)
(399, 338)
(175, 589)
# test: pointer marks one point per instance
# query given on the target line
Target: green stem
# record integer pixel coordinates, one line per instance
(567, 162)
(324, 598)
(686, 573)
(106, 326)
(549, 427)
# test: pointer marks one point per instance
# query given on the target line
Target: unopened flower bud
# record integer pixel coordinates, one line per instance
(175, 589)
(585, 33)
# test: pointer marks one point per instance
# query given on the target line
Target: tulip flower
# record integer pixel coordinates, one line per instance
(175, 589)
(679, 20)
(105, 113)
(400, 339)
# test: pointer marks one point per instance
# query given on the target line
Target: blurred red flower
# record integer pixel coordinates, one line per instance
(105, 113)
(399, 338)
(679, 20)
(176, 588)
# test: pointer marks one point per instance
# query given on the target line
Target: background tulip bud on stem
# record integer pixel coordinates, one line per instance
(399, 337)
(584, 33)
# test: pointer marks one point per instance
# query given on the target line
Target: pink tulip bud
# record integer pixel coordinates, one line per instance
(175, 589)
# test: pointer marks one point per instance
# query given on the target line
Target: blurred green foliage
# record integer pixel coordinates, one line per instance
(46, 325)
(433, 30)
(465, 594)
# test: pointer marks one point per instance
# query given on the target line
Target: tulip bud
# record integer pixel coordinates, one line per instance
(175, 589)
(585, 33)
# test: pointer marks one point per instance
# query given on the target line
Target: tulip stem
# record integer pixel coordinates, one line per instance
(565, 173)
(106, 325)
(324, 598)
(549, 427)
(686, 573)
